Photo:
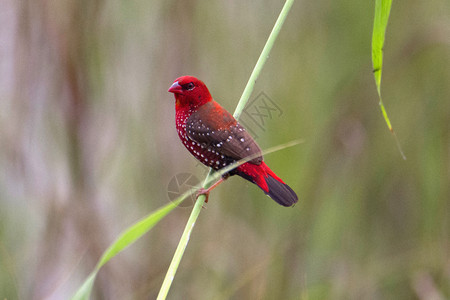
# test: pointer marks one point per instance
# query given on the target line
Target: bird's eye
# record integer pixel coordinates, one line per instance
(188, 86)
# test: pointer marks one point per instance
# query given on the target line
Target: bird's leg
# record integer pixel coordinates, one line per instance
(203, 191)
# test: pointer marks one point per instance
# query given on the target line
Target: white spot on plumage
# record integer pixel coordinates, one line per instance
(242, 140)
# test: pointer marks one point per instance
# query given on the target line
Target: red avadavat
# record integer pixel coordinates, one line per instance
(216, 139)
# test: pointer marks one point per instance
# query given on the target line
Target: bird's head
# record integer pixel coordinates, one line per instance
(190, 92)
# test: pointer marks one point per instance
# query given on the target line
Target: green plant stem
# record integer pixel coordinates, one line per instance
(262, 59)
(239, 108)
(183, 242)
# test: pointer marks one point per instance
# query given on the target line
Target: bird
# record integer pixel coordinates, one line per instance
(214, 137)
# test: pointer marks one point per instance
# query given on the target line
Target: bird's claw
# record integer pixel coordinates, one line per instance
(203, 191)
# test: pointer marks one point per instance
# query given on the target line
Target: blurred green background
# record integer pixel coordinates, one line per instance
(88, 146)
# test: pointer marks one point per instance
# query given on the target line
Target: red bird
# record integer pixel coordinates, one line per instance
(216, 139)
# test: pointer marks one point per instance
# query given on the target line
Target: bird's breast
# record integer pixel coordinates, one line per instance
(206, 154)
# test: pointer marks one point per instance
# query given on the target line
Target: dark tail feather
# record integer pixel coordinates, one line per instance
(269, 182)
(280, 192)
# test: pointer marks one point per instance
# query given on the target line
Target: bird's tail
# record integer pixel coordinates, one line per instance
(269, 182)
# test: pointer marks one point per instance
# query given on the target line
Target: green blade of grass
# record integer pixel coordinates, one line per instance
(128, 237)
(382, 11)
(182, 244)
(262, 59)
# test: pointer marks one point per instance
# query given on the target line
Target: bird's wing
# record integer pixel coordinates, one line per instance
(214, 127)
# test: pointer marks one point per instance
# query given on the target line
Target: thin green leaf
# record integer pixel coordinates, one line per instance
(136, 231)
(128, 237)
(262, 59)
(84, 292)
(382, 11)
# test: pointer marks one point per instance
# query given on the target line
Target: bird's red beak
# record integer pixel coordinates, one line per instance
(175, 88)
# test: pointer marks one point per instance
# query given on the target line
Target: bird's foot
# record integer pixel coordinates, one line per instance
(203, 191)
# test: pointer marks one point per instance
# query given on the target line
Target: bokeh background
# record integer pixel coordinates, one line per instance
(88, 146)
